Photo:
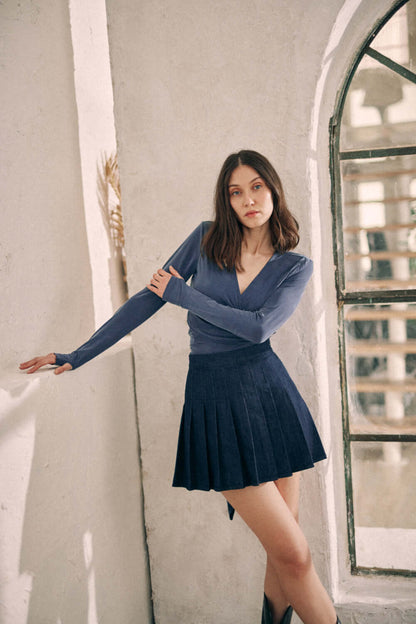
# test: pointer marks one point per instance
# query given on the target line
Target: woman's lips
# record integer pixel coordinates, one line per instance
(251, 213)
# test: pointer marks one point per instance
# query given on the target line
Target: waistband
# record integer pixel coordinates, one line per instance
(230, 358)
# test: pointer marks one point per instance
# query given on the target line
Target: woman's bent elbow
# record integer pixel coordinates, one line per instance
(260, 334)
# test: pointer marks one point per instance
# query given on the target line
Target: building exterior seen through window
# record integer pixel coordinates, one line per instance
(373, 160)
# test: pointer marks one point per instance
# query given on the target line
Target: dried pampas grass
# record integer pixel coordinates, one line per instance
(109, 197)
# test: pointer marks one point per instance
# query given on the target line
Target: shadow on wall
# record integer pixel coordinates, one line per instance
(81, 537)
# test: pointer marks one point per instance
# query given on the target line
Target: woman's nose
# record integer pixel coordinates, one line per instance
(248, 201)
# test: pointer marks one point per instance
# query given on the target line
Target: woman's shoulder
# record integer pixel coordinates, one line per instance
(198, 232)
(297, 257)
(295, 262)
(205, 225)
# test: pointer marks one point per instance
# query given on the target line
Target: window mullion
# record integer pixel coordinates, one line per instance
(384, 60)
(377, 152)
(336, 201)
(381, 296)
(346, 436)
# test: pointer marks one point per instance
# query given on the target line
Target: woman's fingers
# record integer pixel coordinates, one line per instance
(63, 368)
(38, 361)
(174, 272)
(31, 362)
(31, 366)
(158, 282)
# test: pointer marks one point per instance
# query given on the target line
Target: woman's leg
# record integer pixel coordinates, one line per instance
(264, 510)
(289, 489)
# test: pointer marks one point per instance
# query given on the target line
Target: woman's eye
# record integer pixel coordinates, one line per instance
(257, 187)
(235, 193)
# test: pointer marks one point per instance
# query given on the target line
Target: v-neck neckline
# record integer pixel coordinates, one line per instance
(255, 277)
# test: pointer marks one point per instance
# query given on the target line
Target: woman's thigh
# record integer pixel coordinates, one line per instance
(289, 489)
(265, 511)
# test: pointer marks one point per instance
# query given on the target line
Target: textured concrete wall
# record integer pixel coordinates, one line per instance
(71, 532)
(94, 98)
(43, 240)
(194, 81)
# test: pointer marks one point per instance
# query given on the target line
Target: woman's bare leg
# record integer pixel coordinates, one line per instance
(264, 510)
(289, 489)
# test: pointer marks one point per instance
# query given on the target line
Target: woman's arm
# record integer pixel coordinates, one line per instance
(255, 326)
(133, 313)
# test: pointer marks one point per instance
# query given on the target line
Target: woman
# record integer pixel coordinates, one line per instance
(245, 430)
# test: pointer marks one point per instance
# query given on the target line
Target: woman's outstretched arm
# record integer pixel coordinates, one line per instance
(133, 313)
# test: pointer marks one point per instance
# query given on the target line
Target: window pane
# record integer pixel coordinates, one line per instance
(379, 220)
(380, 342)
(380, 107)
(397, 39)
(384, 499)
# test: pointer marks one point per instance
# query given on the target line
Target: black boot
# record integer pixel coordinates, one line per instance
(287, 616)
(266, 617)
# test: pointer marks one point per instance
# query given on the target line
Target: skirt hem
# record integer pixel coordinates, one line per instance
(253, 483)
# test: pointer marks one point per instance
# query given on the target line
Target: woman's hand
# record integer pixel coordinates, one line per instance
(160, 280)
(34, 364)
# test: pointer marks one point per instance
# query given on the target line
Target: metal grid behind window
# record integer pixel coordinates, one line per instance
(373, 167)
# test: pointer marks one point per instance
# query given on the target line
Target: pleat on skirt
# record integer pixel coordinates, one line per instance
(243, 422)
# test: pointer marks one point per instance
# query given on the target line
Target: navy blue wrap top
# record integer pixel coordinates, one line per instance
(220, 318)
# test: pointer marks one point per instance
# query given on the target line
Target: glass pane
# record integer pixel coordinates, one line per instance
(397, 39)
(380, 109)
(380, 342)
(379, 220)
(384, 497)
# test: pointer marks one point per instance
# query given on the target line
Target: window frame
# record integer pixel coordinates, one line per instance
(362, 296)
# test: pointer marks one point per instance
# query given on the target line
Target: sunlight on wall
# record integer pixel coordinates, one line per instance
(343, 19)
(88, 557)
(94, 96)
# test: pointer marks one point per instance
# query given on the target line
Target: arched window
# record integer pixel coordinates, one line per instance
(373, 161)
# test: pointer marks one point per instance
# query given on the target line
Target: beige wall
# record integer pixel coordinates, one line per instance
(71, 536)
(194, 81)
(72, 545)
(44, 256)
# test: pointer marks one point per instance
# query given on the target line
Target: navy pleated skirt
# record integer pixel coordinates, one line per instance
(243, 423)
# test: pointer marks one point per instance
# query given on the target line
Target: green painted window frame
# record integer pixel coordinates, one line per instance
(360, 297)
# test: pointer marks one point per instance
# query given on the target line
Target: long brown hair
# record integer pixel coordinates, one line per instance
(222, 242)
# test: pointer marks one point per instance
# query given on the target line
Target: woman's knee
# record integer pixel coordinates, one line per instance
(267, 514)
(295, 562)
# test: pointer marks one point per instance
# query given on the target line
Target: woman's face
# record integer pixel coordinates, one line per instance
(250, 197)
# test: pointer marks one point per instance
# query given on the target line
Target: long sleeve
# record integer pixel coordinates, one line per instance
(255, 326)
(138, 308)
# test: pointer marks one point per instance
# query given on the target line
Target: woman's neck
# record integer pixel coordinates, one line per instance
(257, 242)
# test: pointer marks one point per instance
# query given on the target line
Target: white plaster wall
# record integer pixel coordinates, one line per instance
(194, 81)
(43, 240)
(94, 98)
(71, 534)
(71, 529)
